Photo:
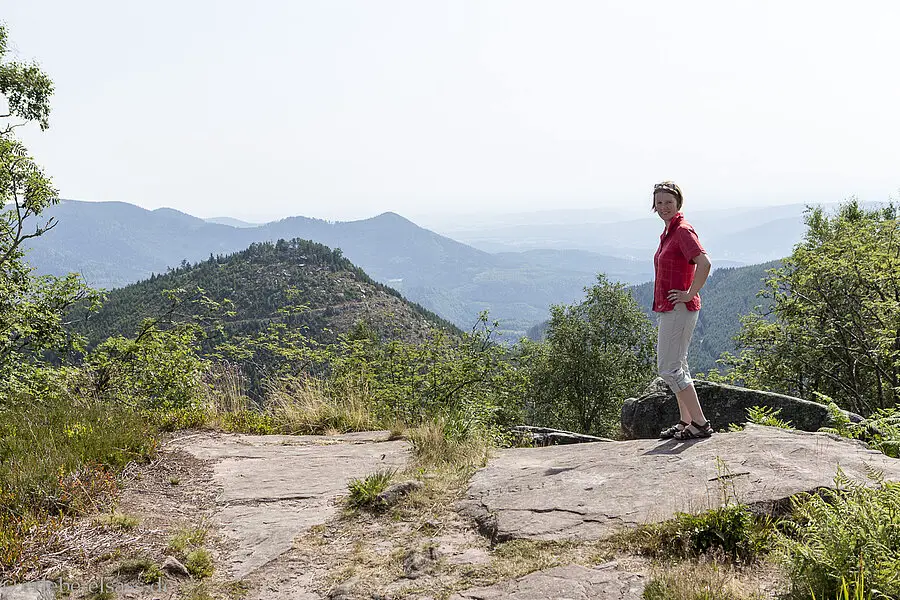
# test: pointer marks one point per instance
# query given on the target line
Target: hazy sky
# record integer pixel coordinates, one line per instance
(345, 109)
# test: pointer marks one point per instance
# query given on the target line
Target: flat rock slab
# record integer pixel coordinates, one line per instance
(36, 590)
(572, 582)
(275, 487)
(589, 491)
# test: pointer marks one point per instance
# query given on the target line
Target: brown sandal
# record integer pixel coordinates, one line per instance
(669, 433)
(703, 431)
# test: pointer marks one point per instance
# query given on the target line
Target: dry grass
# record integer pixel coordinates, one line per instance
(434, 448)
(307, 406)
(701, 580)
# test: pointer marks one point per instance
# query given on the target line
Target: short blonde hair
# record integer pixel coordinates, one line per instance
(667, 187)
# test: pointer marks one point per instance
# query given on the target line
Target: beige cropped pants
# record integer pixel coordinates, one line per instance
(675, 330)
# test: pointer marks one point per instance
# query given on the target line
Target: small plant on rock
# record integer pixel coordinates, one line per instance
(364, 492)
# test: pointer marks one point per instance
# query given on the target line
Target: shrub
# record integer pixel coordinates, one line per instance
(187, 538)
(731, 529)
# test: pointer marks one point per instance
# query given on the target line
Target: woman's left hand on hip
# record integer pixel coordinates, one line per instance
(676, 296)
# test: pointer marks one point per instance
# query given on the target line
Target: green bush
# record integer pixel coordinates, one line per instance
(846, 535)
(731, 529)
(155, 370)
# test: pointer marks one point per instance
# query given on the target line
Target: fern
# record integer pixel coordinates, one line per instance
(766, 415)
(851, 534)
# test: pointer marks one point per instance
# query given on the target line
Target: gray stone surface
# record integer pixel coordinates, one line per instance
(35, 590)
(587, 491)
(275, 487)
(572, 582)
(657, 409)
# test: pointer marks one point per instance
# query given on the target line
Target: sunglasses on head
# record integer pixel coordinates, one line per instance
(667, 187)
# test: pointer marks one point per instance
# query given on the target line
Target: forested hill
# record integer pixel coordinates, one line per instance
(728, 294)
(112, 244)
(260, 281)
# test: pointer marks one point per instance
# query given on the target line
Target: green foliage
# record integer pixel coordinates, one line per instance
(31, 308)
(187, 538)
(467, 378)
(250, 421)
(50, 451)
(156, 370)
(766, 415)
(142, 569)
(199, 563)
(731, 529)
(597, 353)
(881, 431)
(364, 492)
(851, 534)
(302, 285)
(835, 314)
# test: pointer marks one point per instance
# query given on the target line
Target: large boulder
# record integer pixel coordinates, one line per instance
(656, 408)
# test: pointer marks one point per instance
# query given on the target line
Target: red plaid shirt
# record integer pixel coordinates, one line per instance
(678, 245)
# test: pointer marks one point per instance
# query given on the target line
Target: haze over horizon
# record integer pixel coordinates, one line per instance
(345, 110)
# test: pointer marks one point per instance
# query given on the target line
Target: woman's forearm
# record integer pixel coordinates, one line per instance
(700, 276)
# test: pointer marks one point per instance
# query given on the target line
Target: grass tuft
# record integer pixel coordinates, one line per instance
(364, 492)
(142, 569)
(199, 563)
(186, 538)
(116, 520)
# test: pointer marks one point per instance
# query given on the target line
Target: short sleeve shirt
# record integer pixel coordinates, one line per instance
(678, 245)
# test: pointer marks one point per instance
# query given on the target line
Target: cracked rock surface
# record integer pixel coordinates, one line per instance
(274, 487)
(588, 491)
(574, 582)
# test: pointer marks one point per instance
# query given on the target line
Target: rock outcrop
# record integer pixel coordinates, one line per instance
(588, 491)
(656, 408)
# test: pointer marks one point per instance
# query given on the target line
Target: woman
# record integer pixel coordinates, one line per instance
(681, 267)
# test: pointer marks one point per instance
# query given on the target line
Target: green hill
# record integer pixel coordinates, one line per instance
(259, 281)
(113, 244)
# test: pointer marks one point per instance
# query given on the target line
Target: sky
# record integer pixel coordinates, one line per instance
(343, 109)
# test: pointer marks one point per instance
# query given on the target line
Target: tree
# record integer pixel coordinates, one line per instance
(834, 324)
(31, 308)
(596, 354)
